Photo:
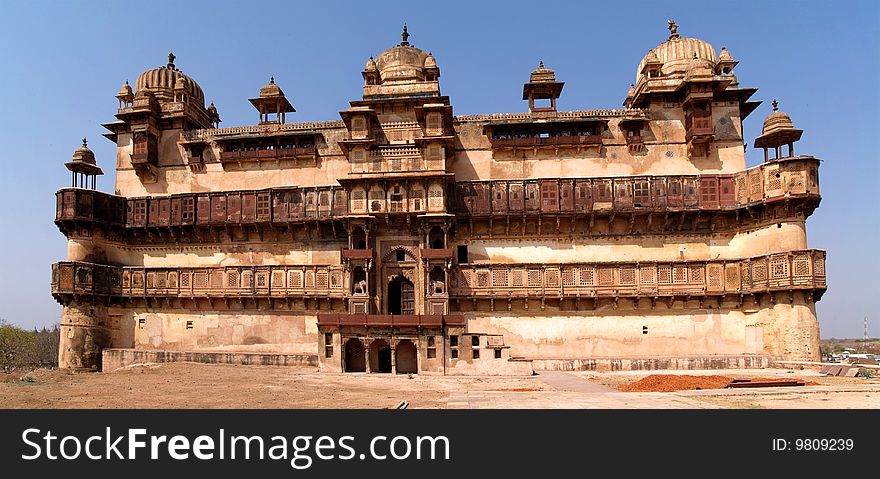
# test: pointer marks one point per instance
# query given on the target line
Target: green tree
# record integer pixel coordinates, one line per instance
(16, 347)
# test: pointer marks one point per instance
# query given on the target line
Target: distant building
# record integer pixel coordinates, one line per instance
(403, 238)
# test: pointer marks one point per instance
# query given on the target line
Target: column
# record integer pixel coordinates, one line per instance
(393, 344)
(367, 357)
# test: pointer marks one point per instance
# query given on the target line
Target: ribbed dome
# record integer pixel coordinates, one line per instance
(677, 55)
(125, 90)
(83, 154)
(402, 62)
(371, 65)
(430, 62)
(162, 81)
(778, 120)
(271, 90)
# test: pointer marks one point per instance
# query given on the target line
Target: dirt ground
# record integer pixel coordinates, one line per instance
(187, 385)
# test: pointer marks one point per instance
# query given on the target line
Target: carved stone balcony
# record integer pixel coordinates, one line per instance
(390, 321)
(437, 253)
(796, 270)
(783, 188)
(357, 253)
(72, 278)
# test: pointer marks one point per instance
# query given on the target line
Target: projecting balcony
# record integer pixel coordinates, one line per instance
(79, 278)
(796, 270)
(438, 253)
(272, 154)
(538, 142)
(389, 320)
(357, 253)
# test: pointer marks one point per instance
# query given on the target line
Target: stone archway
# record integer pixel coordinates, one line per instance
(406, 357)
(354, 356)
(380, 356)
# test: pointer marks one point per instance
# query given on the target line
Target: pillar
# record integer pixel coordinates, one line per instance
(367, 357)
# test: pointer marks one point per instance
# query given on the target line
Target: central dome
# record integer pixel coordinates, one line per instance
(679, 54)
(163, 80)
(403, 62)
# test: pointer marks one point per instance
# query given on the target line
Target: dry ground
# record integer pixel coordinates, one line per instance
(186, 385)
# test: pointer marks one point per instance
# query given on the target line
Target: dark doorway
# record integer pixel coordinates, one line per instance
(380, 356)
(407, 361)
(401, 296)
(354, 356)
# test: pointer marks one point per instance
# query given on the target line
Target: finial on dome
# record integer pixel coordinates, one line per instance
(673, 29)
(272, 79)
(85, 143)
(540, 63)
(171, 58)
(404, 36)
(775, 105)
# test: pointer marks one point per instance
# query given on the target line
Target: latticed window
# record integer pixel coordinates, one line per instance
(517, 278)
(606, 276)
(774, 179)
(483, 279)
(819, 266)
(499, 278)
(435, 197)
(359, 127)
(731, 277)
(587, 276)
(336, 280)
(200, 280)
(310, 279)
(126, 277)
(321, 279)
(161, 279)
(627, 276)
(151, 279)
(746, 271)
(664, 274)
(552, 277)
(534, 278)
(358, 200)
(742, 189)
(172, 279)
(715, 273)
(696, 274)
(467, 277)
(294, 279)
(779, 267)
(759, 271)
(646, 275)
(278, 279)
(569, 277)
(247, 279)
(680, 274)
(434, 123)
(185, 280)
(801, 265)
(755, 182)
(217, 280)
(262, 278)
(137, 279)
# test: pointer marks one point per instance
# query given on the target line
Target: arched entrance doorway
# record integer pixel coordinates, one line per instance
(407, 359)
(401, 296)
(380, 356)
(354, 356)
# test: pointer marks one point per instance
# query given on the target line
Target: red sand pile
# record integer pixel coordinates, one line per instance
(684, 382)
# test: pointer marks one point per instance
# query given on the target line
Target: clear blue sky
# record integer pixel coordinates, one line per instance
(62, 64)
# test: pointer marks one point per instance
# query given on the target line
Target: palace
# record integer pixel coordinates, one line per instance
(401, 238)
